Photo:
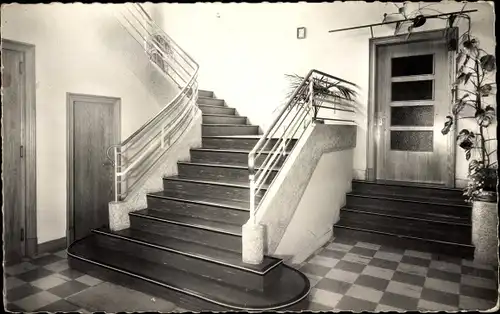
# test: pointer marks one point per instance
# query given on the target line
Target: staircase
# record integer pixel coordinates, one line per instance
(417, 217)
(186, 245)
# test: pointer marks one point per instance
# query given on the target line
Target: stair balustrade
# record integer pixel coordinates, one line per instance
(310, 97)
(137, 155)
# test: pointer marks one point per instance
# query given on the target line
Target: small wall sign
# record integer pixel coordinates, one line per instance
(301, 32)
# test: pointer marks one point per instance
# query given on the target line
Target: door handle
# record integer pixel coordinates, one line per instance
(381, 121)
(108, 163)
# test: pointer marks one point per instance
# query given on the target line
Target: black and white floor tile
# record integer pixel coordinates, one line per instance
(359, 276)
(47, 284)
(344, 275)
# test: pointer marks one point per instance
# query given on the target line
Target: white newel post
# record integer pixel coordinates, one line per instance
(253, 243)
(485, 232)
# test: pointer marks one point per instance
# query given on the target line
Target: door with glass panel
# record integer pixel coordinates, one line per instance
(412, 103)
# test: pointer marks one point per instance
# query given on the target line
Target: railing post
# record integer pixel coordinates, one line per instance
(251, 170)
(311, 98)
(118, 166)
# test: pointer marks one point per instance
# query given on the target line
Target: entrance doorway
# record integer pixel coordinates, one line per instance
(18, 150)
(412, 97)
(93, 126)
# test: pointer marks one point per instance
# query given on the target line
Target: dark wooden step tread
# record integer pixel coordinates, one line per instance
(235, 184)
(247, 136)
(427, 217)
(207, 97)
(408, 184)
(236, 151)
(200, 199)
(410, 198)
(222, 165)
(231, 125)
(211, 254)
(220, 227)
(290, 288)
(223, 115)
(341, 224)
(214, 106)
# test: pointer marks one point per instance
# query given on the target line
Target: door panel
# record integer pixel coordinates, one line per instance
(412, 103)
(94, 130)
(13, 164)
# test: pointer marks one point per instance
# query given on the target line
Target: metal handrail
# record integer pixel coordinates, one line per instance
(304, 91)
(147, 143)
(179, 94)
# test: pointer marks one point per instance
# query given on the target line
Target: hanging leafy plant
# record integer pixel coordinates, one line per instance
(474, 65)
(419, 20)
(488, 63)
(465, 139)
(485, 116)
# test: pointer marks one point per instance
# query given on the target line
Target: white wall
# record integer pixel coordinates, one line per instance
(244, 50)
(319, 208)
(287, 199)
(79, 49)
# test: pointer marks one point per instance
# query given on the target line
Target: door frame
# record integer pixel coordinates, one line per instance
(372, 139)
(70, 99)
(28, 127)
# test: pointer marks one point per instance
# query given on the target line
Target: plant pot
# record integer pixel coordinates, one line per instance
(490, 181)
(485, 232)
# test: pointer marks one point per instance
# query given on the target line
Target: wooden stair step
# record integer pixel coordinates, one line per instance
(426, 229)
(192, 222)
(240, 142)
(407, 188)
(232, 156)
(205, 93)
(223, 119)
(116, 266)
(231, 190)
(219, 172)
(210, 233)
(414, 197)
(217, 110)
(211, 101)
(403, 241)
(417, 215)
(223, 210)
(407, 204)
(229, 129)
(211, 254)
(202, 260)
(225, 203)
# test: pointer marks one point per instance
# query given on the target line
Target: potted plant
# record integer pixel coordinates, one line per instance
(324, 88)
(473, 83)
(473, 87)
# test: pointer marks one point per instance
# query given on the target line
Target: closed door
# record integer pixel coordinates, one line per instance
(412, 103)
(13, 168)
(94, 126)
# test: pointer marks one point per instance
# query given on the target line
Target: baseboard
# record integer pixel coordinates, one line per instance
(52, 246)
(359, 174)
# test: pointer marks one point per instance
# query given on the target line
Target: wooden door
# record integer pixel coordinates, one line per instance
(412, 103)
(13, 167)
(94, 126)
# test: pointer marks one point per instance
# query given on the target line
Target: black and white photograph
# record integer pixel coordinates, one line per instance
(253, 157)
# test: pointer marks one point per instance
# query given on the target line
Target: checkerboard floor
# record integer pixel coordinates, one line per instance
(47, 284)
(360, 276)
(344, 275)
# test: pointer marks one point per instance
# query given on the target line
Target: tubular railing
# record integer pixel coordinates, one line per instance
(306, 102)
(139, 153)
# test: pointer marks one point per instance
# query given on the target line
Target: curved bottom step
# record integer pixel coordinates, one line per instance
(402, 241)
(187, 290)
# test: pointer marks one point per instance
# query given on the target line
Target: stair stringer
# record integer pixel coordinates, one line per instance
(166, 166)
(283, 197)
